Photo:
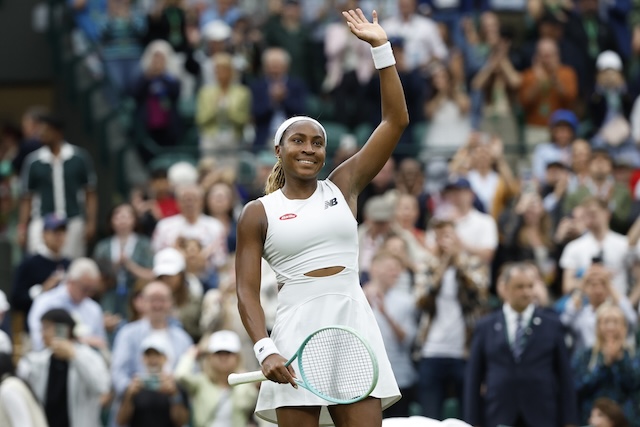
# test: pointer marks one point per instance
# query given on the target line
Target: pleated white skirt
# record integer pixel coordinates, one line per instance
(306, 305)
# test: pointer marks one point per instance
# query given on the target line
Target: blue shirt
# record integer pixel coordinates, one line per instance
(87, 314)
(126, 358)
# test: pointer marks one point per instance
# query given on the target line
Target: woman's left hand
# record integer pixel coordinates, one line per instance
(371, 32)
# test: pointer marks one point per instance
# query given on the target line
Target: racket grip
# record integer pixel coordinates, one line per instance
(246, 377)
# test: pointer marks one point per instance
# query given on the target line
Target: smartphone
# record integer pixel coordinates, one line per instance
(62, 331)
(151, 382)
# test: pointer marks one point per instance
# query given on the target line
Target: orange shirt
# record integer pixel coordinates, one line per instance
(548, 97)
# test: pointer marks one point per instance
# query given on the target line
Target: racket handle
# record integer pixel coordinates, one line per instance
(246, 377)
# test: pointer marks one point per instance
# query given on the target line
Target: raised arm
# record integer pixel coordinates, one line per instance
(354, 174)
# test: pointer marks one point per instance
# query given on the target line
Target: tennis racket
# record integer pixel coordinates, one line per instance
(334, 363)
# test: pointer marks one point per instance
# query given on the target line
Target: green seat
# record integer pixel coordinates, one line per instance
(165, 161)
(451, 408)
(335, 131)
(362, 133)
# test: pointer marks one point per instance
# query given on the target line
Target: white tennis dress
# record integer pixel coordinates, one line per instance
(302, 236)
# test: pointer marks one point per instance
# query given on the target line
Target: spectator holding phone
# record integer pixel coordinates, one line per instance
(215, 403)
(68, 378)
(153, 399)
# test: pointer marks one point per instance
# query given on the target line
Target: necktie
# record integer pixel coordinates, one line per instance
(518, 342)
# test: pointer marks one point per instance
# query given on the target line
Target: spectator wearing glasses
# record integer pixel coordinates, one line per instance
(74, 295)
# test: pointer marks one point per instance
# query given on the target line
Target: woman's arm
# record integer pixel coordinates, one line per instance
(354, 174)
(252, 230)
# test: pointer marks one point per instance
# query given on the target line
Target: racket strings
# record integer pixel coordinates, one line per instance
(337, 364)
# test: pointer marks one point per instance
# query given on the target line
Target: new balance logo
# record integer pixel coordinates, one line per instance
(329, 203)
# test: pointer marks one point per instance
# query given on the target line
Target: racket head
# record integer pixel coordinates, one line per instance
(337, 364)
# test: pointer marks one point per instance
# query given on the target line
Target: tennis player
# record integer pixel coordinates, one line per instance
(306, 229)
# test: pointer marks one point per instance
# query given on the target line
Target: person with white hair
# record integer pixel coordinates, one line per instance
(74, 295)
(192, 223)
(156, 92)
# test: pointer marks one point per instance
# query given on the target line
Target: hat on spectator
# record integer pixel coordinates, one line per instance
(609, 60)
(54, 222)
(4, 304)
(216, 31)
(156, 342)
(224, 341)
(182, 173)
(168, 262)
(564, 117)
(378, 209)
(558, 164)
(457, 184)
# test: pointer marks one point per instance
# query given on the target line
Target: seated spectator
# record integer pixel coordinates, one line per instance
(18, 405)
(580, 157)
(5, 339)
(406, 217)
(546, 87)
(221, 203)
(275, 96)
(599, 243)
(476, 232)
(42, 271)
(410, 179)
(347, 72)
(609, 109)
(601, 184)
(121, 32)
(127, 361)
(554, 189)
(450, 300)
(156, 92)
(214, 402)
(377, 226)
(448, 112)
(484, 165)
(607, 413)
(192, 223)
(153, 399)
(68, 378)
(563, 125)
(579, 314)
(169, 267)
(423, 43)
(287, 31)
(527, 235)
(223, 110)
(124, 258)
(155, 202)
(73, 294)
(495, 87)
(607, 369)
(395, 312)
(403, 246)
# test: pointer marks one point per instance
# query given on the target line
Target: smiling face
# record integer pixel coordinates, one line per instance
(302, 150)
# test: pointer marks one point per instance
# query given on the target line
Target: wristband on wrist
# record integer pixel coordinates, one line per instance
(383, 56)
(264, 348)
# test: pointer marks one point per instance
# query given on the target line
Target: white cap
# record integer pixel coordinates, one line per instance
(182, 173)
(224, 341)
(216, 31)
(609, 60)
(156, 342)
(167, 262)
(4, 304)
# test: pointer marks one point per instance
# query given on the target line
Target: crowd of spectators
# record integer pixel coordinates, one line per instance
(513, 192)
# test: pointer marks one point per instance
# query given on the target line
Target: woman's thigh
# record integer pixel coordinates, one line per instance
(298, 416)
(366, 413)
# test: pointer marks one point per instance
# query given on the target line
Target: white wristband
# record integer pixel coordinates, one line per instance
(264, 348)
(383, 56)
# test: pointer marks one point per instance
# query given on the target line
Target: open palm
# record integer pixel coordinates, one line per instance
(371, 32)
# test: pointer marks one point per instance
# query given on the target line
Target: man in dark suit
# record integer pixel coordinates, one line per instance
(276, 96)
(518, 373)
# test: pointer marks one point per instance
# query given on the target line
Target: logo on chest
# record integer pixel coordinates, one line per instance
(329, 203)
(288, 216)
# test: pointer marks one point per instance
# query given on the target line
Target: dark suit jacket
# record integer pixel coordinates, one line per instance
(538, 387)
(262, 109)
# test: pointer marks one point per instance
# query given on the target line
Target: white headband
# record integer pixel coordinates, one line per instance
(285, 125)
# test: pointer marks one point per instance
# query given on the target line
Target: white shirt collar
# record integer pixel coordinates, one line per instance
(46, 156)
(511, 315)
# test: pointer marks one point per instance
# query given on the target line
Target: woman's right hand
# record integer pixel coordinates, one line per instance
(273, 367)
